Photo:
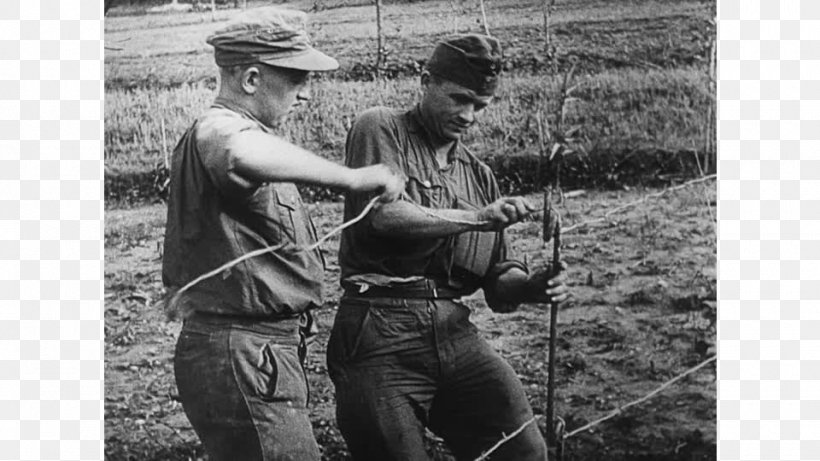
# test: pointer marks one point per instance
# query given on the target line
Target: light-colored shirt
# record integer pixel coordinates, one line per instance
(215, 217)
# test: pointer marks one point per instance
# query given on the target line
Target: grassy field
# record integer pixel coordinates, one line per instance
(662, 109)
(642, 76)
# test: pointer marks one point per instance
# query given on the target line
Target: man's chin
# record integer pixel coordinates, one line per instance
(453, 135)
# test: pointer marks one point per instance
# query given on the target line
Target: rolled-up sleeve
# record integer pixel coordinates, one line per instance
(372, 139)
(215, 145)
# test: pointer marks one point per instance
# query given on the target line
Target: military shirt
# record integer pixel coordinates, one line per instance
(400, 141)
(215, 216)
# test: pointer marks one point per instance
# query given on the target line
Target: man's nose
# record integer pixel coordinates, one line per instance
(467, 114)
(303, 95)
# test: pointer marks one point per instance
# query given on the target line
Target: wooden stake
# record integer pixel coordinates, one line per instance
(552, 443)
(484, 18)
(164, 143)
(379, 45)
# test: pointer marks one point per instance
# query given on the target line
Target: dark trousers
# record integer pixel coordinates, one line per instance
(400, 365)
(243, 388)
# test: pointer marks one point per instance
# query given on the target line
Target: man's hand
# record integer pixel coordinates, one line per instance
(378, 178)
(504, 212)
(542, 287)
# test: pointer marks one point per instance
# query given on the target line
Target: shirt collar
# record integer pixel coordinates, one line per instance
(222, 103)
(415, 125)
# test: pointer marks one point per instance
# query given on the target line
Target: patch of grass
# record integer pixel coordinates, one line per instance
(644, 96)
(130, 228)
(659, 109)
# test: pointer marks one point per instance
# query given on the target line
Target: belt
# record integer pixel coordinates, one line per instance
(425, 289)
(302, 325)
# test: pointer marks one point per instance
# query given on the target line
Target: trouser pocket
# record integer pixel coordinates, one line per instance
(349, 328)
(269, 371)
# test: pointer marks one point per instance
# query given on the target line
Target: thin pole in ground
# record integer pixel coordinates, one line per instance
(380, 57)
(552, 231)
(484, 18)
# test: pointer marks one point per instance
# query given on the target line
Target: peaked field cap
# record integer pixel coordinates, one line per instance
(470, 60)
(273, 36)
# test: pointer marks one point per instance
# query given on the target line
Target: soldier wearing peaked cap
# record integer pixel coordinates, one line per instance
(403, 354)
(239, 357)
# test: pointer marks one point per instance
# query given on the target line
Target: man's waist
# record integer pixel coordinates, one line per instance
(423, 289)
(257, 299)
(288, 328)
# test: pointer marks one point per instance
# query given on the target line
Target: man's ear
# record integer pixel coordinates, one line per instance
(425, 79)
(250, 79)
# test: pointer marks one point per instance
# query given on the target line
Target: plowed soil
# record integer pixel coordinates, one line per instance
(643, 312)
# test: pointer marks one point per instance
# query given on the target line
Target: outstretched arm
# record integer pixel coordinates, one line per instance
(261, 157)
(406, 220)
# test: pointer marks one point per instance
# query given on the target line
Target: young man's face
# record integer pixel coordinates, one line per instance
(448, 108)
(279, 92)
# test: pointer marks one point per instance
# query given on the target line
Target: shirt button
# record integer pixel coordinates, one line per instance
(426, 184)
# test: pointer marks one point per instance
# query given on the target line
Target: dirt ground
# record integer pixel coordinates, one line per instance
(644, 311)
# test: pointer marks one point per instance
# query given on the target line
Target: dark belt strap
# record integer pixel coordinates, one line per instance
(425, 289)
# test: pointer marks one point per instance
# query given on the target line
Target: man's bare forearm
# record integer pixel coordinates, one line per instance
(406, 220)
(262, 157)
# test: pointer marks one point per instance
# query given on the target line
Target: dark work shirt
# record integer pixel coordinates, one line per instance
(215, 216)
(399, 140)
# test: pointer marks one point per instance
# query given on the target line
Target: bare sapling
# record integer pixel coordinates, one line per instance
(557, 140)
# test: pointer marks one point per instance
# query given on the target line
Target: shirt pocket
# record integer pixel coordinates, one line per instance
(296, 225)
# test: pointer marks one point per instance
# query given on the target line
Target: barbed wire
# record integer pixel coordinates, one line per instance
(619, 410)
(610, 415)
(172, 298)
(506, 438)
(175, 295)
(636, 202)
(574, 227)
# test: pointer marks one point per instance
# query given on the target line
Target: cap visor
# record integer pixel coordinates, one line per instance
(311, 60)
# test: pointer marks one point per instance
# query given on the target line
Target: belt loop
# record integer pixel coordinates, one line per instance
(302, 348)
(301, 352)
(305, 324)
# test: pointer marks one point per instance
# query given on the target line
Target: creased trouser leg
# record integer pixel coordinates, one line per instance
(244, 393)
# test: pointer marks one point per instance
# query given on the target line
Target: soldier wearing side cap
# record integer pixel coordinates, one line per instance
(403, 354)
(239, 357)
